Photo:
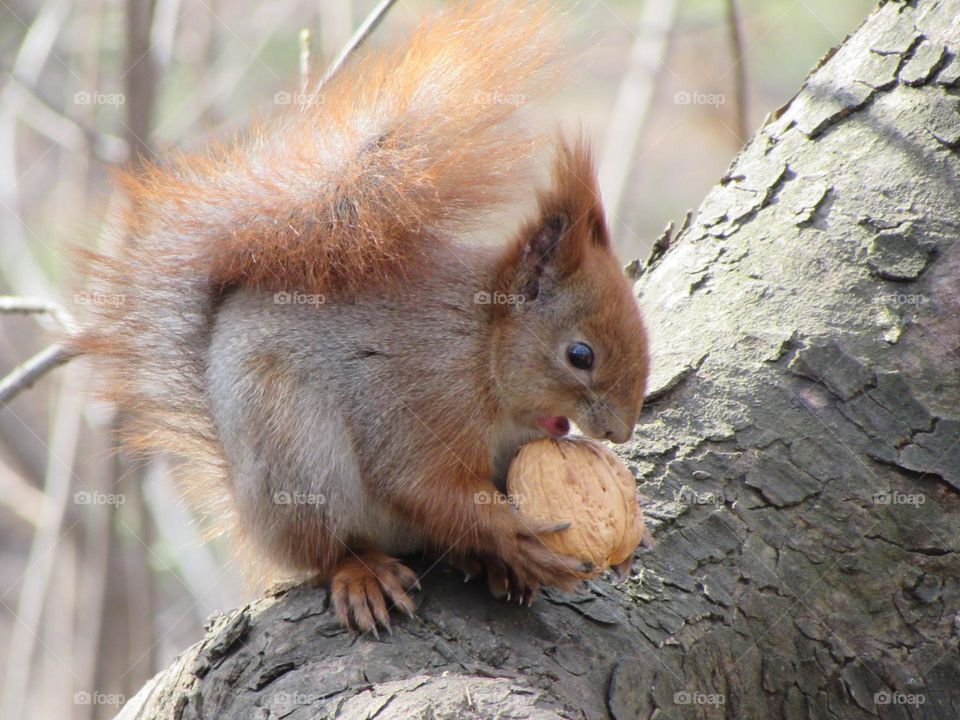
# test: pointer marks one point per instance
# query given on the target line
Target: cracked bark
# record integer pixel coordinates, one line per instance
(800, 452)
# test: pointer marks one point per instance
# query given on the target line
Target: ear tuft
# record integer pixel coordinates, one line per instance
(570, 225)
(576, 190)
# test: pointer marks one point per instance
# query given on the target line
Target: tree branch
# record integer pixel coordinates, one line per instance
(26, 374)
(31, 305)
(634, 98)
(739, 72)
(359, 37)
(305, 42)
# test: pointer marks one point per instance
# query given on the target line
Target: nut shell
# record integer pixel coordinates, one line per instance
(582, 481)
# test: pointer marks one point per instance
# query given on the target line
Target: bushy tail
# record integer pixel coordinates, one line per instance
(342, 190)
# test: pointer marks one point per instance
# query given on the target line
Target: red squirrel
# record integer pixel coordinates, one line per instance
(311, 323)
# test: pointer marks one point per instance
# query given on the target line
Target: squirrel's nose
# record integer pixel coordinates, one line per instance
(619, 436)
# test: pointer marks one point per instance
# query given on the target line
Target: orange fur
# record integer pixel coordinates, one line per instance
(404, 148)
(368, 191)
(399, 150)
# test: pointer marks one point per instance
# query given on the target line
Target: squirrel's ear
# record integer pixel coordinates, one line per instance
(541, 253)
(570, 224)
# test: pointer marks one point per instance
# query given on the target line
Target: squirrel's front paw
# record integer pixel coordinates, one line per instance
(362, 584)
(529, 563)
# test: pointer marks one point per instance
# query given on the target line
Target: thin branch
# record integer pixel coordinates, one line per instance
(140, 594)
(634, 99)
(163, 32)
(23, 498)
(196, 561)
(220, 83)
(40, 38)
(739, 70)
(305, 42)
(65, 131)
(140, 78)
(31, 305)
(57, 485)
(359, 37)
(94, 584)
(28, 372)
(17, 260)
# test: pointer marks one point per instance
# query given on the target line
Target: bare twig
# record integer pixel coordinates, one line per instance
(220, 83)
(633, 101)
(37, 45)
(30, 305)
(305, 40)
(17, 261)
(27, 373)
(23, 498)
(163, 33)
(358, 38)
(94, 583)
(40, 563)
(739, 70)
(139, 656)
(65, 131)
(140, 77)
(196, 562)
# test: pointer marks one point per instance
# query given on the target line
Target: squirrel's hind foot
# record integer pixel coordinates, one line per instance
(366, 585)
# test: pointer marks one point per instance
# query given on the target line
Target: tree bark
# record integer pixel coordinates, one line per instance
(800, 449)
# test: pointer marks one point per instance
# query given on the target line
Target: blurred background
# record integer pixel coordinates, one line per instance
(104, 577)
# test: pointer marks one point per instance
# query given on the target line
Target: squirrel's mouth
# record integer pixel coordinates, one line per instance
(556, 425)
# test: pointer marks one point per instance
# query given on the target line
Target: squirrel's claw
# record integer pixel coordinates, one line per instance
(361, 586)
(497, 579)
(535, 530)
(470, 566)
(507, 585)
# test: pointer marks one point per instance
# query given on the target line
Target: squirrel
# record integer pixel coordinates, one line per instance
(312, 323)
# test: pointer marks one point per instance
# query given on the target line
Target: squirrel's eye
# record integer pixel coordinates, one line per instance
(580, 355)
